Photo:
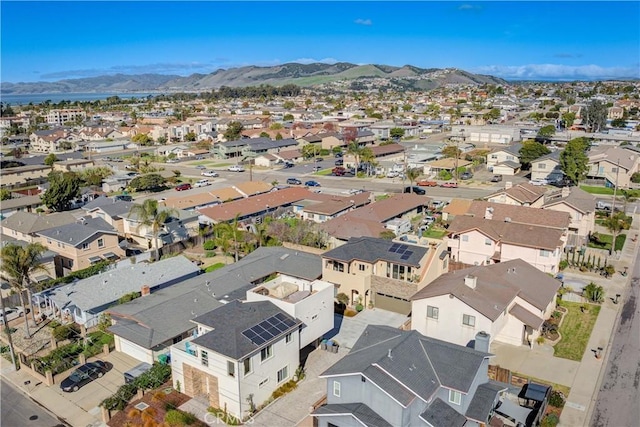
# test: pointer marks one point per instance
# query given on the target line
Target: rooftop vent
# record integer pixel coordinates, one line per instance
(470, 281)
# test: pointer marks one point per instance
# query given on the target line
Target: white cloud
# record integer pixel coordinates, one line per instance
(313, 61)
(469, 7)
(361, 21)
(557, 71)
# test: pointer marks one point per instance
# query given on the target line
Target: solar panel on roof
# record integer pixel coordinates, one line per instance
(406, 255)
(268, 329)
(394, 247)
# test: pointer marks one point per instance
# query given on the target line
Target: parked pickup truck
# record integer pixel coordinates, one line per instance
(425, 183)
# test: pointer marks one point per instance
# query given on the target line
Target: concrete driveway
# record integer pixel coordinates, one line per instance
(347, 330)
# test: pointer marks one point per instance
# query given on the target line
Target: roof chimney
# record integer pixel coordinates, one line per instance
(481, 343)
(508, 185)
(488, 213)
(566, 191)
(470, 281)
(389, 354)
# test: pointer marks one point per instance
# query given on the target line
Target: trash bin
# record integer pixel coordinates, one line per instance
(334, 348)
(329, 345)
(323, 344)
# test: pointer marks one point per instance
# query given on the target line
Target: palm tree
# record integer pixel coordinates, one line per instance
(18, 265)
(413, 174)
(615, 223)
(7, 330)
(148, 215)
(226, 231)
(629, 196)
(356, 150)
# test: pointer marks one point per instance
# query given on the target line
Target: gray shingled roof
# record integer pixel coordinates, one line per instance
(230, 320)
(359, 411)
(420, 364)
(577, 199)
(439, 414)
(79, 231)
(370, 249)
(110, 206)
(28, 223)
(497, 285)
(483, 401)
(97, 291)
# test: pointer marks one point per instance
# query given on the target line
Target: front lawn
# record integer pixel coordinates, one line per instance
(214, 267)
(434, 233)
(323, 172)
(575, 330)
(597, 190)
(604, 241)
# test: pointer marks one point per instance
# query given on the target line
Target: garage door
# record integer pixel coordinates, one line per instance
(390, 303)
(133, 350)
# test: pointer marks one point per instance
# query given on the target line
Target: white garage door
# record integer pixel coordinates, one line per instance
(134, 350)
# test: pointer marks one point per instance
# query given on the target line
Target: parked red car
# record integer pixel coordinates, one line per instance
(182, 187)
(449, 185)
(425, 183)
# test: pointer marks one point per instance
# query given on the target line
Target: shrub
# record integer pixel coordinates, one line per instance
(66, 332)
(551, 420)
(209, 245)
(563, 264)
(556, 399)
(224, 416)
(173, 417)
(342, 298)
(594, 292)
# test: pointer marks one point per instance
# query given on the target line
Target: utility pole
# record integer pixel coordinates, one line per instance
(615, 189)
(458, 151)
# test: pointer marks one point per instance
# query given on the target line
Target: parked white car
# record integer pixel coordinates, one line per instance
(12, 313)
(235, 168)
(539, 181)
(211, 174)
(202, 183)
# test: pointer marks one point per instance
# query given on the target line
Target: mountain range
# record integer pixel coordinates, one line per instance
(306, 75)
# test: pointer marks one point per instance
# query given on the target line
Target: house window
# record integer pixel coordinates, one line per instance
(465, 238)
(468, 320)
(510, 157)
(487, 242)
(70, 263)
(283, 374)
(266, 353)
(362, 267)
(231, 369)
(494, 156)
(542, 165)
(204, 357)
(263, 382)
(247, 365)
(85, 246)
(398, 272)
(614, 170)
(432, 312)
(455, 397)
(336, 388)
(101, 243)
(338, 266)
(322, 217)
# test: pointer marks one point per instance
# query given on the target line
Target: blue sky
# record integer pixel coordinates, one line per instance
(48, 41)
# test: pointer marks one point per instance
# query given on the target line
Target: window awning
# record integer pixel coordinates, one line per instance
(94, 259)
(110, 255)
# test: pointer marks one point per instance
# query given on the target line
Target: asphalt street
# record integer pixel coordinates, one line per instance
(618, 401)
(19, 410)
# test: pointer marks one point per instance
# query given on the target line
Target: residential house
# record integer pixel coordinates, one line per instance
(547, 167)
(402, 378)
(26, 226)
(613, 165)
(382, 272)
(73, 165)
(242, 353)
(81, 244)
(179, 226)
(523, 194)
(109, 146)
(456, 207)
(505, 161)
(509, 300)
(491, 134)
(323, 207)
(23, 176)
(47, 259)
(446, 164)
(60, 117)
(581, 207)
(84, 301)
(370, 220)
(111, 210)
(145, 328)
(28, 204)
(481, 241)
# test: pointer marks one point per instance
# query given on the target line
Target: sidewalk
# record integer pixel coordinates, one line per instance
(586, 384)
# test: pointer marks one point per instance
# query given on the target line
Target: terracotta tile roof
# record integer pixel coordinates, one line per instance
(255, 204)
(508, 232)
(497, 285)
(520, 214)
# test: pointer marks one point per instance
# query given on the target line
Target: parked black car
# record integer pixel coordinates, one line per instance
(83, 375)
(415, 189)
(294, 181)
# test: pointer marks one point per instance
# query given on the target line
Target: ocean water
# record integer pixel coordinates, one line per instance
(39, 98)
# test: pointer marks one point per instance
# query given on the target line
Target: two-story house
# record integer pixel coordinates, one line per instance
(26, 225)
(479, 241)
(523, 194)
(81, 244)
(581, 207)
(382, 272)
(242, 352)
(505, 161)
(402, 378)
(613, 165)
(179, 226)
(547, 167)
(509, 300)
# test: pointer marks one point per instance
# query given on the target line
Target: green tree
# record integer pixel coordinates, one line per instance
(233, 132)
(407, 107)
(396, 133)
(310, 150)
(5, 194)
(444, 175)
(288, 105)
(162, 140)
(95, 176)
(19, 264)
(63, 188)
(147, 182)
(574, 160)
(264, 135)
(276, 126)
(629, 196)
(615, 223)
(618, 123)
(546, 132)
(413, 174)
(355, 150)
(149, 216)
(568, 119)
(288, 117)
(451, 151)
(530, 151)
(594, 116)
(190, 136)
(593, 292)
(230, 232)
(50, 159)
(492, 115)
(387, 235)
(278, 136)
(142, 139)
